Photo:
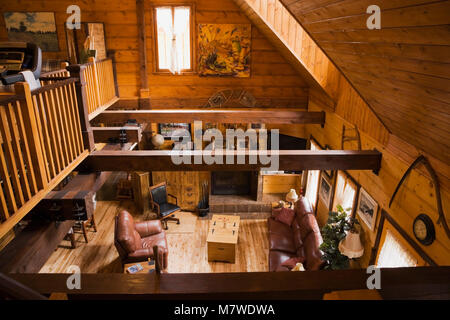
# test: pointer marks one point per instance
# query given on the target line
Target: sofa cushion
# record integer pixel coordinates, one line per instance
(277, 227)
(282, 242)
(302, 207)
(295, 225)
(311, 244)
(307, 225)
(285, 215)
(276, 258)
(298, 242)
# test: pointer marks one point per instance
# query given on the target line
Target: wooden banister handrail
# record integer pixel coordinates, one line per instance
(396, 283)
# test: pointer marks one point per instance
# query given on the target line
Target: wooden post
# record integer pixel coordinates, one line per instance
(31, 129)
(140, 181)
(76, 71)
(144, 92)
(112, 55)
(158, 267)
(96, 84)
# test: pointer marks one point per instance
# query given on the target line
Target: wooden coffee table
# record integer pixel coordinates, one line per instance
(222, 238)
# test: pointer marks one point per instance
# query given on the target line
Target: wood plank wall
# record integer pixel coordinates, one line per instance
(416, 196)
(273, 81)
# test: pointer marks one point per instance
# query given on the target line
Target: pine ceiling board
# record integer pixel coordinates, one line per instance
(345, 8)
(402, 70)
(427, 35)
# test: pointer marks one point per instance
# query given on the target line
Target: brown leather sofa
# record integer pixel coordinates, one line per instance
(301, 239)
(135, 241)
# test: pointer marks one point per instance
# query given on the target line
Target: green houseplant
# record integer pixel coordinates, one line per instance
(333, 232)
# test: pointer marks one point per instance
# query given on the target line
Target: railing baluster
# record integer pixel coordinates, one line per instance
(13, 171)
(25, 148)
(32, 134)
(18, 152)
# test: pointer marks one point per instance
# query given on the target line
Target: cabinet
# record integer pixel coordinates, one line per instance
(185, 185)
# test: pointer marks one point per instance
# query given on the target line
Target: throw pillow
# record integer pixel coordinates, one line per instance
(298, 267)
(285, 216)
(292, 262)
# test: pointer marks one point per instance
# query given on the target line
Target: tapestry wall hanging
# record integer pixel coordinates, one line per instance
(35, 27)
(224, 50)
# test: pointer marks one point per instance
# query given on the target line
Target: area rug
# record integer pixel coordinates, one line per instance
(187, 223)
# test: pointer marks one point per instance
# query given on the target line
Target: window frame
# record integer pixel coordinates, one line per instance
(155, 47)
(315, 204)
(357, 186)
(387, 221)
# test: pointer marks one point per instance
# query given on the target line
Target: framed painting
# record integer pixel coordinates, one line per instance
(35, 27)
(224, 50)
(367, 209)
(173, 130)
(325, 191)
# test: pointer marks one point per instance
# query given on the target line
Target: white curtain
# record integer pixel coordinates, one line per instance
(174, 52)
(345, 193)
(393, 255)
(312, 184)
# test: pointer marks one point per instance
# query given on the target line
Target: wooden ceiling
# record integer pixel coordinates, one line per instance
(401, 70)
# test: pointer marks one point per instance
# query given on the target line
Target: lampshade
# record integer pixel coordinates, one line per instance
(351, 246)
(291, 196)
(157, 140)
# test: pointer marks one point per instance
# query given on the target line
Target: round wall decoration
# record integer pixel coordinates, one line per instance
(423, 229)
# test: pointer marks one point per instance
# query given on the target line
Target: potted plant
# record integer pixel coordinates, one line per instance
(338, 224)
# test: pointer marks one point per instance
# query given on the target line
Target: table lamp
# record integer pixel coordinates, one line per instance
(351, 245)
(291, 197)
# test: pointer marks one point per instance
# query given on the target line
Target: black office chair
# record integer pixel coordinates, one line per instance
(165, 210)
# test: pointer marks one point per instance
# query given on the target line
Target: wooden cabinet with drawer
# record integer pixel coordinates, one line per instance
(222, 238)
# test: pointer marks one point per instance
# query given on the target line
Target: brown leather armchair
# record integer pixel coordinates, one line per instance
(135, 241)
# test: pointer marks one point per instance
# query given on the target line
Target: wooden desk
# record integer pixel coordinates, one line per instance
(222, 238)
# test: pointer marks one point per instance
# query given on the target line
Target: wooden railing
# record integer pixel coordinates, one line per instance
(100, 89)
(396, 283)
(42, 142)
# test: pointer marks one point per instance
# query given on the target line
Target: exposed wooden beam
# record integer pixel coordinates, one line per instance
(214, 116)
(110, 134)
(294, 160)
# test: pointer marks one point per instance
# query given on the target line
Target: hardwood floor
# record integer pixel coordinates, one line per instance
(187, 252)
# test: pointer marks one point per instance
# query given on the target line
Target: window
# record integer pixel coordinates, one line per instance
(312, 184)
(345, 193)
(393, 254)
(173, 33)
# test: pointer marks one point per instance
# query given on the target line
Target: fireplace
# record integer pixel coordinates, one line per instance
(231, 182)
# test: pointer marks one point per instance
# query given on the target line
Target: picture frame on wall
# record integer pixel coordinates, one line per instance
(35, 27)
(92, 35)
(325, 191)
(170, 130)
(367, 209)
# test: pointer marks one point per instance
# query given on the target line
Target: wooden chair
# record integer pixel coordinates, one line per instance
(164, 209)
